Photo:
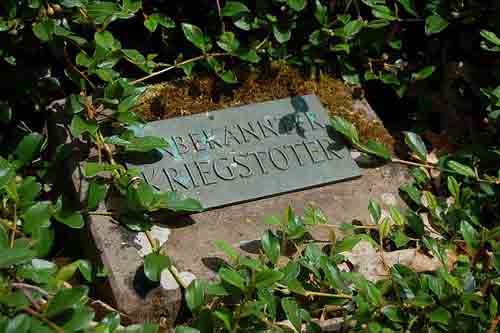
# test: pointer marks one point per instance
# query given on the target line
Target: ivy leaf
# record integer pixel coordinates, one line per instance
(297, 5)
(292, 312)
(29, 148)
(233, 278)
(154, 264)
(132, 5)
(345, 128)
(435, 24)
(228, 42)
(397, 217)
(65, 299)
(416, 144)
(228, 76)
(462, 169)
(423, 73)
(195, 296)
(233, 8)
(271, 246)
(196, 36)
(333, 275)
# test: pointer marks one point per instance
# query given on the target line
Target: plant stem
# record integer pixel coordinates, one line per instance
(14, 227)
(428, 166)
(182, 63)
(44, 319)
(317, 293)
(101, 213)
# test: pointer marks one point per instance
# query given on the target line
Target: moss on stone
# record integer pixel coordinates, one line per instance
(204, 94)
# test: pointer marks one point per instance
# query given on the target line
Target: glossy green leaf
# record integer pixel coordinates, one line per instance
(13, 256)
(19, 324)
(424, 73)
(374, 148)
(37, 216)
(65, 299)
(134, 56)
(233, 278)
(233, 8)
(440, 315)
(271, 246)
(267, 278)
(227, 249)
(333, 275)
(106, 40)
(409, 6)
(282, 33)
(195, 296)
(156, 19)
(91, 169)
(490, 36)
(196, 36)
(470, 235)
(292, 312)
(345, 128)
(462, 169)
(226, 317)
(29, 148)
(375, 211)
(44, 29)
(435, 24)
(81, 319)
(96, 192)
(297, 5)
(79, 125)
(228, 42)
(417, 145)
(154, 264)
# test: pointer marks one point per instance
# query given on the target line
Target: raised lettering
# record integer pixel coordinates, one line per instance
(312, 119)
(326, 149)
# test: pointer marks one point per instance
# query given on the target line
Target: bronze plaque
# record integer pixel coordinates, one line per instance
(248, 152)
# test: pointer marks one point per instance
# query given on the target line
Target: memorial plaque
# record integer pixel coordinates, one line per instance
(248, 152)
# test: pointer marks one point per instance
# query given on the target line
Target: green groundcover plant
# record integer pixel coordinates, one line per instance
(98, 56)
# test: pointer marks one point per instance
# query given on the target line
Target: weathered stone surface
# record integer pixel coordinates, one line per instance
(191, 241)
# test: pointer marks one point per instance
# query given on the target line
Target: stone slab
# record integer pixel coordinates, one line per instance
(191, 241)
(248, 152)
